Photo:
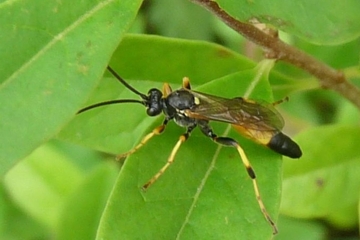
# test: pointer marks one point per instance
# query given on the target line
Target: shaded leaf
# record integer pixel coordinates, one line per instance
(325, 182)
(183, 19)
(299, 229)
(15, 224)
(338, 22)
(86, 203)
(41, 183)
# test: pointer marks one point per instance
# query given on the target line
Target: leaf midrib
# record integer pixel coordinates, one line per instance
(57, 38)
(263, 68)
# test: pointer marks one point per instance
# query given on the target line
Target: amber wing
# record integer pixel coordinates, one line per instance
(248, 114)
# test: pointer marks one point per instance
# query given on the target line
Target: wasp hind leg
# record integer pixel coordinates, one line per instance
(171, 158)
(225, 141)
(278, 102)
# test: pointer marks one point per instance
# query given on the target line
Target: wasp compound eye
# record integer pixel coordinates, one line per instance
(154, 110)
(154, 102)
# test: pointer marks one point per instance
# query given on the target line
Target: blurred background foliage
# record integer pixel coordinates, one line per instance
(320, 198)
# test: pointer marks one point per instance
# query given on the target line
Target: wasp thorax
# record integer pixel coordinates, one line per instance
(181, 100)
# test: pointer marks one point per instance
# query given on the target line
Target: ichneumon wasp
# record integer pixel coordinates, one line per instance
(190, 109)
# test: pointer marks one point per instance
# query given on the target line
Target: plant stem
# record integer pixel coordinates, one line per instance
(328, 77)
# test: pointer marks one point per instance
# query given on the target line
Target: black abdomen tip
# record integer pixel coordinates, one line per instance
(284, 145)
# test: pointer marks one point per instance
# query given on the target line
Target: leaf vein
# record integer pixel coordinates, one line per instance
(58, 38)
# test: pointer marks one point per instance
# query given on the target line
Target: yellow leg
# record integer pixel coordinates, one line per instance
(168, 163)
(285, 99)
(156, 131)
(251, 173)
(166, 90)
(186, 83)
(232, 143)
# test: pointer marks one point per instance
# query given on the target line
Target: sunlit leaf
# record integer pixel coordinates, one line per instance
(54, 53)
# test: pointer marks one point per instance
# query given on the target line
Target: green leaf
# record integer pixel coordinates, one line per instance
(284, 86)
(321, 22)
(118, 128)
(86, 203)
(148, 57)
(137, 57)
(348, 113)
(359, 211)
(54, 54)
(163, 59)
(327, 174)
(206, 193)
(183, 19)
(41, 183)
(299, 229)
(15, 224)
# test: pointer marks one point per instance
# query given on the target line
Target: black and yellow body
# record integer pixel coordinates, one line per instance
(258, 121)
(190, 109)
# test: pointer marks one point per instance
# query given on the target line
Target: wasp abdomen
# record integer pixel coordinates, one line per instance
(282, 144)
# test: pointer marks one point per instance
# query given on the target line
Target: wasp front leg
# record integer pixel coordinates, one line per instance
(157, 131)
(171, 158)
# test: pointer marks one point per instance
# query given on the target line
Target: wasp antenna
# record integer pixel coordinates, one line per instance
(109, 103)
(143, 96)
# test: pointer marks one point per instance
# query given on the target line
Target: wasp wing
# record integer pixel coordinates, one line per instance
(259, 116)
